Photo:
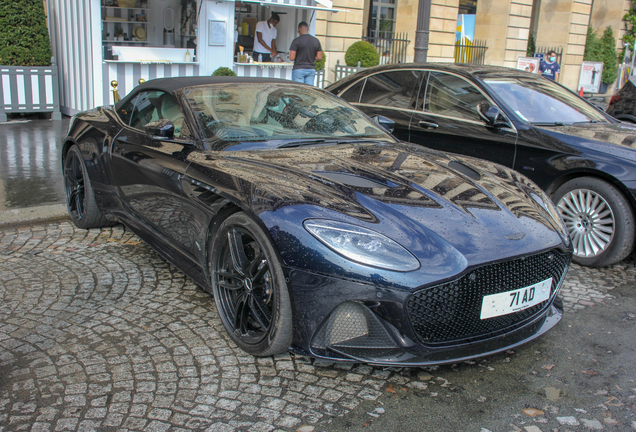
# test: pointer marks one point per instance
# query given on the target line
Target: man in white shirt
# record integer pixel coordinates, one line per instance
(265, 43)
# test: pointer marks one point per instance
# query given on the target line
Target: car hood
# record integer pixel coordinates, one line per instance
(432, 203)
(611, 138)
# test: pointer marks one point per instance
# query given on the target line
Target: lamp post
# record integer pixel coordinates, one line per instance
(422, 31)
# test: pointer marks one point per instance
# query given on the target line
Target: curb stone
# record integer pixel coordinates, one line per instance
(31, 215)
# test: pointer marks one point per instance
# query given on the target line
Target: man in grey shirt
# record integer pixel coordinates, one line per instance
(304, 51)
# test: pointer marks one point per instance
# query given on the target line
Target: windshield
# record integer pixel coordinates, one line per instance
(268, 111)
(543, 102)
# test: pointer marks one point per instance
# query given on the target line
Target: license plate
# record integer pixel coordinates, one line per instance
(513, 301)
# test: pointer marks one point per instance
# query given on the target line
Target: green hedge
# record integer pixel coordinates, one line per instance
(362, 52)
(223, 71)
(320, 64)
(24, 37)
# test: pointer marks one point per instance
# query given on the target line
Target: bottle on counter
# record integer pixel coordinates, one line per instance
(187, 56)
(260, 58)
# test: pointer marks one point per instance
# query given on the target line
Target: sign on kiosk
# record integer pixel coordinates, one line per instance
(528, 64)
(590, 79)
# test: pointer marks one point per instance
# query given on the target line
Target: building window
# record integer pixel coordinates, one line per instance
(382, 17)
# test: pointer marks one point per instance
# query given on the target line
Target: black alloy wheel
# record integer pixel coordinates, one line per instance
(249, 287)
(74, 185)
(80, 197)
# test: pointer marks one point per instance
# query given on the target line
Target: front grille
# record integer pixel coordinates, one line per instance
(450, 312)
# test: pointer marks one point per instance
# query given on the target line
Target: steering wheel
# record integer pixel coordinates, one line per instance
(213, 122)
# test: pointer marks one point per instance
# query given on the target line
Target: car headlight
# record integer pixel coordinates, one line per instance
(547, 204)
(362, 245)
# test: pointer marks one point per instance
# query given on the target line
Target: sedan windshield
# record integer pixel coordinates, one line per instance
(268, 111)
(543, 102)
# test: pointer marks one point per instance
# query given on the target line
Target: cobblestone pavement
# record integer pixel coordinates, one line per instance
(99, 332)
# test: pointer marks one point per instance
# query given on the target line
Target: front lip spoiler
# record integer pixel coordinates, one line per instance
(412, 359)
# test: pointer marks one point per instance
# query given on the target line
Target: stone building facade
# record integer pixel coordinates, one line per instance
(505, 26)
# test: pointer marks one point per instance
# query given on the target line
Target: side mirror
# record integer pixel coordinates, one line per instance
(160, 129)
(491, 115)
(386, 123)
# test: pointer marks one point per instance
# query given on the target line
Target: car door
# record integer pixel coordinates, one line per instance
(447, 119)
(390, 94)
(147, 170)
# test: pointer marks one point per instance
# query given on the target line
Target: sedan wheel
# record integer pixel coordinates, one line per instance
(80, 198)
(599, 219)
(249, 287)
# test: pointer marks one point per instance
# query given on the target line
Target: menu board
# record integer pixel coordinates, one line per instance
(528, 64)
(590, 78)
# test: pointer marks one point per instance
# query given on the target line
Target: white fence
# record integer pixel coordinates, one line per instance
(28, 89)
(343, 70)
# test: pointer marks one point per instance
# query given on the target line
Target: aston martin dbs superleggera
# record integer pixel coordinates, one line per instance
(317, 231)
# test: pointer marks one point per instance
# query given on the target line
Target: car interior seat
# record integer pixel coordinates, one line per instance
(171, 111)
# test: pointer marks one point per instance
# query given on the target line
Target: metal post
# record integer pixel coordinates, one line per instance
(421, 33)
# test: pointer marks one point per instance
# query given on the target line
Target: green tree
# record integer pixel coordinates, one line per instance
(630, 29)
(603, 49)
(608, 56)
(532, 45)
(592, 46)
(24, 37)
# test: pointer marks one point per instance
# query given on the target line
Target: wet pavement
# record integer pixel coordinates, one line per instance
(98, 332)
(30, 167)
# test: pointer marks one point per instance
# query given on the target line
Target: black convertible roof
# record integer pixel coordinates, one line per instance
(170, 85)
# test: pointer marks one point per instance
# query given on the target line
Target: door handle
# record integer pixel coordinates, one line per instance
(428, 125)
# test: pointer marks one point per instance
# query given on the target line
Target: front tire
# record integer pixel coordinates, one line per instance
(599, 219)
(249, 287)
(80, 197)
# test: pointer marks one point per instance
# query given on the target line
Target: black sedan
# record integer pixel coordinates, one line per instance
(583, 158)
(314, 229)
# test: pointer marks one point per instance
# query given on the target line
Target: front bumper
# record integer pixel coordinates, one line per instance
(343, 320)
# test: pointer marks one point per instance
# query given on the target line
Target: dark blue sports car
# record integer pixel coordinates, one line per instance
(315, 230)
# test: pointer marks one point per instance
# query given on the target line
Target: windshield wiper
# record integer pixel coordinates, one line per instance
(548, 124)
(586, 122)
(302, 143)
(343, 140)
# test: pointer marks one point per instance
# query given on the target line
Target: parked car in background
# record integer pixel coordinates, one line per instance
(622, 105)
(583, 158)
(316, 230)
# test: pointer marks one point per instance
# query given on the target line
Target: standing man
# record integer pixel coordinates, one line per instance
(550, 68)
(304, 51)
(265, 43)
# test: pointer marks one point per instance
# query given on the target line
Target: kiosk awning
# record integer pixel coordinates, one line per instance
(323, 5)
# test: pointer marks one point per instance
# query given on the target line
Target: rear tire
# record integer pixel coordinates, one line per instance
(80, 197)
(249, 287)
(599, 219)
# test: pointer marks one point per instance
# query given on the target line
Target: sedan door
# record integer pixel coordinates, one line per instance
(390, 94)
(147, 170)
(447, 119)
